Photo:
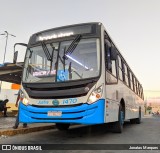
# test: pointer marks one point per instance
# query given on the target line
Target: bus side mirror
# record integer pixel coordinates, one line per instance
(15, 57)
(113, 53)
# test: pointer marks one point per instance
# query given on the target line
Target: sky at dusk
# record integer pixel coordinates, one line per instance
(133, 25)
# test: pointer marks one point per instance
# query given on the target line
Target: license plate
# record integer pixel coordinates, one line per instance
(58, 113)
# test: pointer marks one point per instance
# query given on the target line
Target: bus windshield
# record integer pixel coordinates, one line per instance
(56, 62)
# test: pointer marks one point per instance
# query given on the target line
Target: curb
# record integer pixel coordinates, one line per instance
(9, 114)
(11, 132)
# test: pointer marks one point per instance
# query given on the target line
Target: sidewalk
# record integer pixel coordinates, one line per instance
(6, 124)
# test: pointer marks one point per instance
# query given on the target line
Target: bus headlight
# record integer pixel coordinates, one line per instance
(95, 95)
(25, 101)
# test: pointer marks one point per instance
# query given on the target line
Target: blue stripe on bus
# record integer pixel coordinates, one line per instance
(84, 114)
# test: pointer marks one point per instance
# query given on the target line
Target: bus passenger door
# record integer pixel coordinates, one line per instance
(111, 81)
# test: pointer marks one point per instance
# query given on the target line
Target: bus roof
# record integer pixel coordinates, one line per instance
(72, 25)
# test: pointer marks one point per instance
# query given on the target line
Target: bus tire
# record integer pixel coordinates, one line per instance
(118, 126)
(62, 126)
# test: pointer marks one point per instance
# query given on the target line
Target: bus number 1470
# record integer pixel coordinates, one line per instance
(70, 101)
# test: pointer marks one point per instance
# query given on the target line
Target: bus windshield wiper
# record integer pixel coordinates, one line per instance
(72, 47)
(53, 49)
(69, 51)
(46, 51)
(70, 71)
(64, 59)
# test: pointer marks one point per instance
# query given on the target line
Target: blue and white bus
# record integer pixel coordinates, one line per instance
(76, 75)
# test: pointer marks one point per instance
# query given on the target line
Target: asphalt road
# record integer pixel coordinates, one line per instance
(148, 132)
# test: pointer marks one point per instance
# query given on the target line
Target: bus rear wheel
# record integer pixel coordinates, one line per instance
(118, 126)
(62, 126)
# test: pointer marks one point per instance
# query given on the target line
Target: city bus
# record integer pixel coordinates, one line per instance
(76, 75)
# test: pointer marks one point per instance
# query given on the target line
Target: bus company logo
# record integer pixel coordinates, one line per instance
(55, 102)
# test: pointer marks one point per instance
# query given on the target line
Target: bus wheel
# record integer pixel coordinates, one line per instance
(138, 120)
(62, 126)
(118, 126)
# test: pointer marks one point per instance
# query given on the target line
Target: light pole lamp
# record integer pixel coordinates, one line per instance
(6, 33)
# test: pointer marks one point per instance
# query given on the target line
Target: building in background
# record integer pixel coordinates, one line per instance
(9, 91)
(10, 72)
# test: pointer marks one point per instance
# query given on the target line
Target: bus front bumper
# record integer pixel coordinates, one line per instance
(83, 114)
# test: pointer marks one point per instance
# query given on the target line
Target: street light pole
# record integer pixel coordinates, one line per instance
(6, 44)
(5, 47)
(6, 33)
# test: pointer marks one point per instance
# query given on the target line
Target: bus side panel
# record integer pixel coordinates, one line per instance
(131, 100)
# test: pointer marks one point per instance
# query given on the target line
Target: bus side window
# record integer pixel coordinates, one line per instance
(111, 65)
(135, 87)
(138, 89)
(126, 74)
(109, 62)
(114, 68)
(120, 68)
(123, 71)
(133, 82)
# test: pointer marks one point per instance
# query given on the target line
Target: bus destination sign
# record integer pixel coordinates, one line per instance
(63, 32)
